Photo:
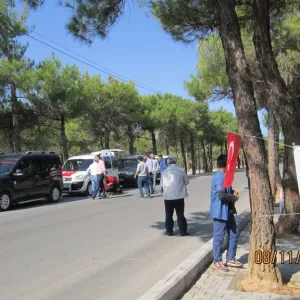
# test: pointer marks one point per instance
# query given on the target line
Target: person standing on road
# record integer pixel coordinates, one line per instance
(174, 181)
(101, 172)
(222, 210)
(93, 170)
(142, 175)
(162, 167)
(155, 170)
(149, 164)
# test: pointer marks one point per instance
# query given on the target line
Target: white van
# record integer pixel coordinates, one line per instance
(77, 179)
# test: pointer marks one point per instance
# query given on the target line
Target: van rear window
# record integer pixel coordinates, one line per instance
(6, 166)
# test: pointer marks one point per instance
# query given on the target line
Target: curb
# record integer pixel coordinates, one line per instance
(181, 278)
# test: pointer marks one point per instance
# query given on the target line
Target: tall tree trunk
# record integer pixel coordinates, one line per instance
(64, 142)
(187, 160)
(290, 120)
(182, 149)
(15, 117)
(221, 148)
(130, 140)
(11, 140)
(271, 149)
(199, 143)
(276, 151)
(204, 157)
(193, 157)
(225, 147)
(262, 229)
(209, 155)
(106, 137)
(153, 137)
(101, 142)
(167, 146)
(243, 161)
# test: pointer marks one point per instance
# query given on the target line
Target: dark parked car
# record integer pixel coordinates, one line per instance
(28, 177)
(127, 168)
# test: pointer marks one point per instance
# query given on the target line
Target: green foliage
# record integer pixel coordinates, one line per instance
(59, 89)
(186, 20)
(91, 18)
(211, 81)
(94, 110)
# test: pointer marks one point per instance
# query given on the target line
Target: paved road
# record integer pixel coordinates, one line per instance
(112, 249)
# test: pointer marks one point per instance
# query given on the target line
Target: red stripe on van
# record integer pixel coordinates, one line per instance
(68, 173)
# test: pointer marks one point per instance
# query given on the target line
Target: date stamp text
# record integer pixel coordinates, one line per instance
(281, 257)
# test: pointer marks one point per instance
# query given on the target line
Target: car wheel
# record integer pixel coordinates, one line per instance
(55, 194)
(5, 201)
(89, 190)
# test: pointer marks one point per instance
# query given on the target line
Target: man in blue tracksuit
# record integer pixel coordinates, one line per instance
(162, 167)
(222, 210)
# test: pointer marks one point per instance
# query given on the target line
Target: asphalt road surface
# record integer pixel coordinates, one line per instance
(112, 249)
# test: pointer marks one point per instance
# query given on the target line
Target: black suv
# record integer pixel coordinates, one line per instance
(28, 177)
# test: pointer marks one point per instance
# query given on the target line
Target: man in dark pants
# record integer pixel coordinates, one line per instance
(101, 171)
(222, 210)
(174, 181)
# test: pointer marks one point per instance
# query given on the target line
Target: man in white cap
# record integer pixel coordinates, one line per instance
(174, 182)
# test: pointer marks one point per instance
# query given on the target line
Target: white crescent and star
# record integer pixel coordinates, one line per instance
(230, 151)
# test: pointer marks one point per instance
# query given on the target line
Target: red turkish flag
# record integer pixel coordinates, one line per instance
(233, 146)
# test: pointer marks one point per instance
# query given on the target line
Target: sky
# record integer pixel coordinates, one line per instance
(137, 47)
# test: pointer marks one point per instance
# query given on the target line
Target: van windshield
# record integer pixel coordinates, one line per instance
(5, 167)
(77, 164)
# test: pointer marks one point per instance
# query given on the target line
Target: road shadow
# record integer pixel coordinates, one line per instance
(191, 176)
(65, 198)
(119, 196)
(244, 258)
(290, 269)
(200, 225)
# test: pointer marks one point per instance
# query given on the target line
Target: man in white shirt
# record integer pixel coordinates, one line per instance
(97, 169)
(155, 165)
(93, 169)
(174, 181)
(101, 172)
(142, 173)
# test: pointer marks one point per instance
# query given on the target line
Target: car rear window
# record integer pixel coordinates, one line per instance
(127, 163)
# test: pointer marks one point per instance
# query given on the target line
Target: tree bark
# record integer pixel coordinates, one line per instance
(199, 143)
(289, 117)
(130, 140)
(15, 117)
(167, 144)
(11, 140)
(193, 157)
(262, 228)
(204, 157)
(209, 155)
(101, 141)
(182, 149)
(276, 150)
(64, 141)
(271, 149)
(106, 137)
(243, 162)
(153, 137)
